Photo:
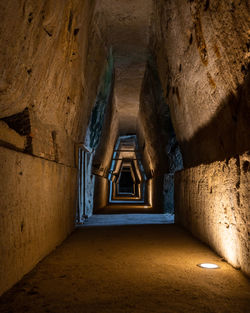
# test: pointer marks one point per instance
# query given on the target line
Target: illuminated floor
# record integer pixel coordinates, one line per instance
(123, 269)
(129, 219)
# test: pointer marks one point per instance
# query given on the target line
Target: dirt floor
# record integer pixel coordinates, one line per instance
(134, 268)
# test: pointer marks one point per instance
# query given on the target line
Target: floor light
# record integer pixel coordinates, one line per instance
(208, 265)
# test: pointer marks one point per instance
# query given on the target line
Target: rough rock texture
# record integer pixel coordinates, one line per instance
(47, 53)
(53, 55)
(104, 153)
(157, 141)
(99, 139)
(37, 211)
(202, 53)
(125, 27)
(168, 193)
(49, 50)
(11, 138)
(152, 120)
(213, 202)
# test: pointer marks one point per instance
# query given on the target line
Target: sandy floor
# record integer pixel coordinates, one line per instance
(135, 268)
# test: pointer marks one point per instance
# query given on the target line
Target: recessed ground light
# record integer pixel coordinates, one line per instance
(208, 265)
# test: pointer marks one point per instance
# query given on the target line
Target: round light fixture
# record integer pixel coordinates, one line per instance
(208, 265)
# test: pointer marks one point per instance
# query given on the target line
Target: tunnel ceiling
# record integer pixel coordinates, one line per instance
(125, 27)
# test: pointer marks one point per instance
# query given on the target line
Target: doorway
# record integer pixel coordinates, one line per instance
(86, 183)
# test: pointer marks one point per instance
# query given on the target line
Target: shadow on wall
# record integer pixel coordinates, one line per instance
(226, 135)
(86, 179)
(95, 127)
(159, 135)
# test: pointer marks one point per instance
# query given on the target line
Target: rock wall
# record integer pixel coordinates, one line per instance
(49, 50)
(47, 53)
(104, 153)
(202, 51)
(213, 202)
(125, 27)
(157, 141)
(37, 211)
(168, 193)
(98, 135)
(43, 51)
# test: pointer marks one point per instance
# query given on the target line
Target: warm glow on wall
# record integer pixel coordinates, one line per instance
(226, 232)
(230, 246)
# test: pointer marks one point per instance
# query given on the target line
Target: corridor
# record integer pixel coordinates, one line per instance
(130, 268)
(124, 156)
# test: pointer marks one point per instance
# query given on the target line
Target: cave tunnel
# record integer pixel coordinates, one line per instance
(124, 156)
(126, 182)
